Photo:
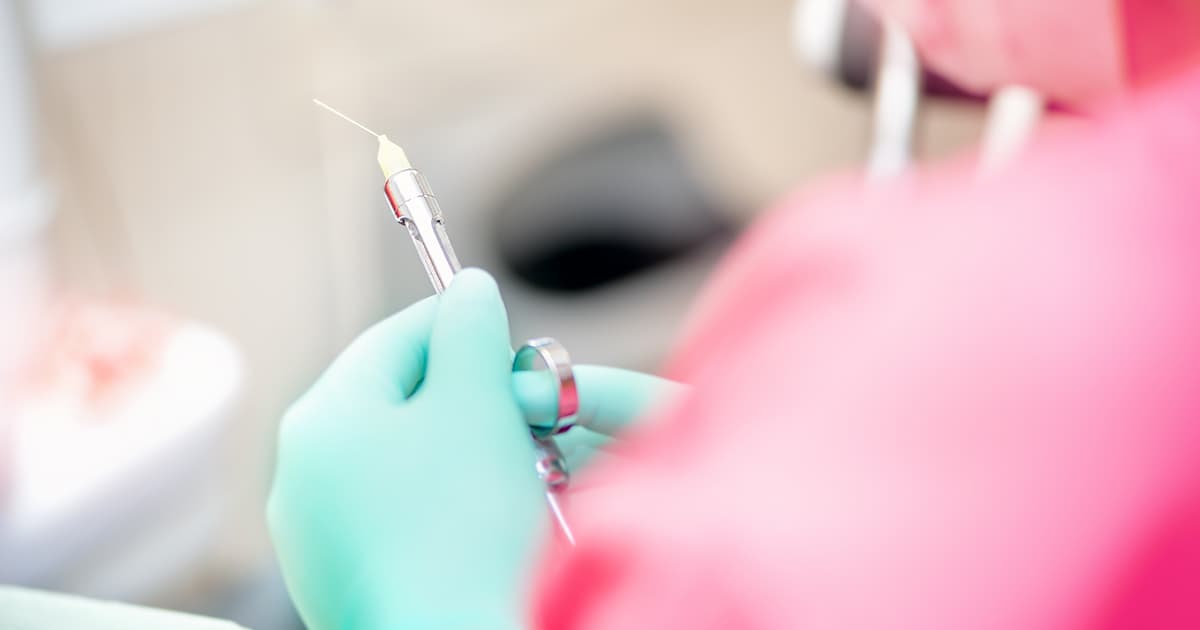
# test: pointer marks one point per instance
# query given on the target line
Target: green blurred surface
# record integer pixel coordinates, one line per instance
(25, 609)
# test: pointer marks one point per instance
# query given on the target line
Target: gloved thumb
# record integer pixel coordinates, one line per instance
(610, 399)
(469, 344)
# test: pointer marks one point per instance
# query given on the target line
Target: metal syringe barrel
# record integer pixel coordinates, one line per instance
(416, 208)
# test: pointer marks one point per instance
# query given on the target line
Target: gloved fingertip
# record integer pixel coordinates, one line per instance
(537, 396)
(612, 399)
(475, 285)
(470, 337)
(474, 294)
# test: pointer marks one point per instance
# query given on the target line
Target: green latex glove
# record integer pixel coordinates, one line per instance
(405, 494)
(610, 400)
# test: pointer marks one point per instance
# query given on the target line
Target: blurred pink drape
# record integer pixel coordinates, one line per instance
(950, 403)
(1075, 51)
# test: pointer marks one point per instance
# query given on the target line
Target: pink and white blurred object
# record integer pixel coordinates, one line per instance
(91, 357)
(969, 402)
(1078, 52)
(983, 45)
(111, 491)
(109, 413)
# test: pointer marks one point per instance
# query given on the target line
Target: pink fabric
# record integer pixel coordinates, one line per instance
(1075, 51)
(954, 403)
(1161, 37)
(1069, 48)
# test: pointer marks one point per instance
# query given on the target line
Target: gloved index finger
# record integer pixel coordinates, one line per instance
(610, 399)
(388, 360)
(469, 348)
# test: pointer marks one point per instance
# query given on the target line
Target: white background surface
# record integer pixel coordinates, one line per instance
(71, 23)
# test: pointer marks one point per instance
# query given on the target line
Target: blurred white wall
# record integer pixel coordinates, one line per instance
(59, 24)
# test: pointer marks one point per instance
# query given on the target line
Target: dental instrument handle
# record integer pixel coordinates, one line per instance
(416, 208)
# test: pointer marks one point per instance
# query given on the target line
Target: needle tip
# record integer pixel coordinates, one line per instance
(319, 103)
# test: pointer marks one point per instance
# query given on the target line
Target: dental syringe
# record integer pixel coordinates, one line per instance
(416, 208)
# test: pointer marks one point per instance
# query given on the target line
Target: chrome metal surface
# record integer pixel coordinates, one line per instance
(555, 500)
(558, 363)
(551, 468)
(550, 464)
(416, 208)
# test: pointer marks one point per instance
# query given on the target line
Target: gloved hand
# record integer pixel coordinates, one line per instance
(405, 494)
(610, 400)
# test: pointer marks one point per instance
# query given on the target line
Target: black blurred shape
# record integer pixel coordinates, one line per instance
(616, 203)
